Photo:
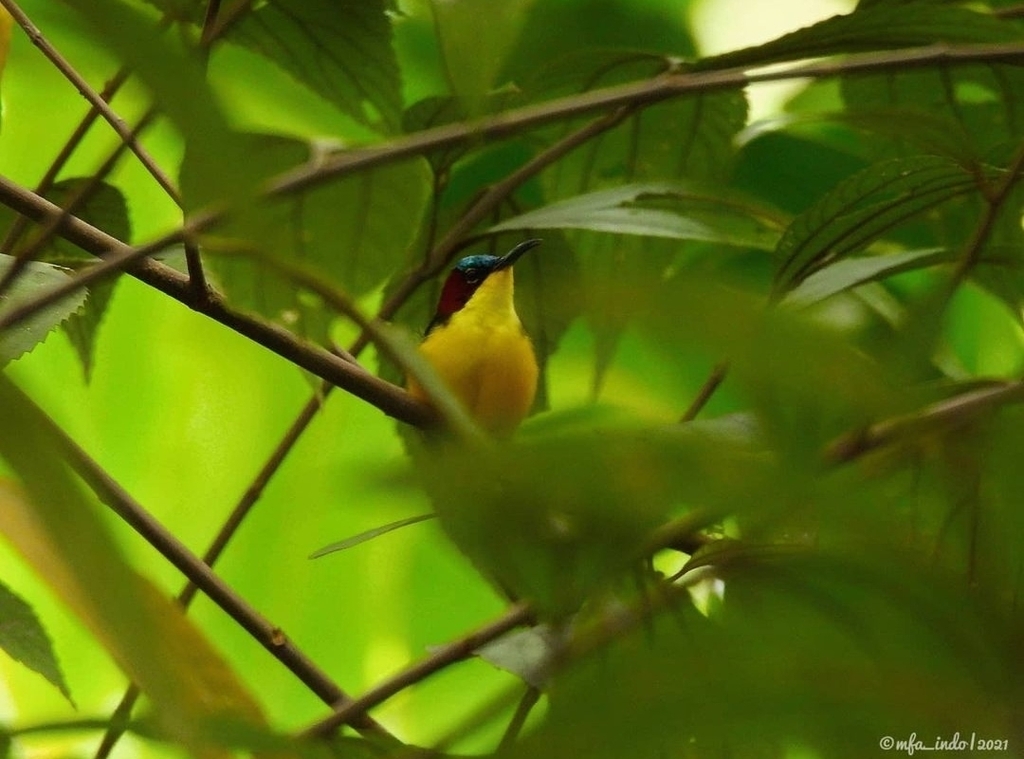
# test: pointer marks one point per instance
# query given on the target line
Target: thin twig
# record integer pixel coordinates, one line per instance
(97, 101)
(120, 718)
(993, 205)
(389, 398)
(450, 653)
(523, 709)
(707, 390)
(635, 94)
(127, 508)
(953, 411)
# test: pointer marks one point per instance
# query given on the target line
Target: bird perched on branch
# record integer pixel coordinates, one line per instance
(477, 344)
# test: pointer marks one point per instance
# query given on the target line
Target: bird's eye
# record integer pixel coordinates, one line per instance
(474, 276)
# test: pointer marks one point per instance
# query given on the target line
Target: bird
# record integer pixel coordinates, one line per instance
(478, 346)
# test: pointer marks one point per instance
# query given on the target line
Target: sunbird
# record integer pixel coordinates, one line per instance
(478, 346)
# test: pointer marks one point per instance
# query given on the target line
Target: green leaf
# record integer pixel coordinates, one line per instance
(105, 209)
(177, 83)
(853, 272)
(689, 139)
(340, 49)
(865, 207)
(673, 210)
(24, 639)
(57, 530)
(363, 537)
(35, 279)
(356, 231)
(877, 27)
(878, 648)
(965, 112)
(475, 37)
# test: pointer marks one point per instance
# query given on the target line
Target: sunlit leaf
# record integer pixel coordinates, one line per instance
(6, 23)
(882, 26)
(475, 37)
(24, 639)
(36, 278)
(339, 49)
(853, 272)
(659, 209)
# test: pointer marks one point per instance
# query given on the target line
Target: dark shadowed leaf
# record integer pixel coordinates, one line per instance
(340, 49)
(356, 231)
(105, 209)
(24, 639)
(864, 207)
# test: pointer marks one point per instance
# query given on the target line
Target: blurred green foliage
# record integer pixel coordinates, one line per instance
(829, 556)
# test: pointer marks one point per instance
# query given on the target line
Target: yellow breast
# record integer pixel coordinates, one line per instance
(486, 357)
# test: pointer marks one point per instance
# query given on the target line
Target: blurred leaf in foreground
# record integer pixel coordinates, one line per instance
(55, 528)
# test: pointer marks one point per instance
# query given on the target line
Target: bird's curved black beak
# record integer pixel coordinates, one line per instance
(513, 255)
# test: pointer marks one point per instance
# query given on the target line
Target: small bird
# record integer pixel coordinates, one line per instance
(478, 346)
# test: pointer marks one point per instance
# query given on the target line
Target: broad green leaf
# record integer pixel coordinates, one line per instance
(872, 28)
(36, 278)
(571, 520)
(340, 49)
(865, 207)
(24, 639)
(55, 527)
(681, 211)
(105, 209)
(965, 112)
(475, 37)
(853, 272)
(355, 231)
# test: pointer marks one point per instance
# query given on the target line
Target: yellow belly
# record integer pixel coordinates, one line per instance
(491, 368)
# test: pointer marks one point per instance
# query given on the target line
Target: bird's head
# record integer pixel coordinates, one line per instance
(467, 276)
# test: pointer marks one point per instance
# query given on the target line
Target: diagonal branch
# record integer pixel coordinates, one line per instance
(389, 398)
(450, 653)
(262, 630)
(98, 103)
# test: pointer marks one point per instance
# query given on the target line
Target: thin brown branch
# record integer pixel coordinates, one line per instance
(636, 94)
(389, 398)
(263, 631)
(119, 720)
(944, 414)
(994, 200)
(711, 384)
(97, 101)
(450, 653)
(518, 721)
